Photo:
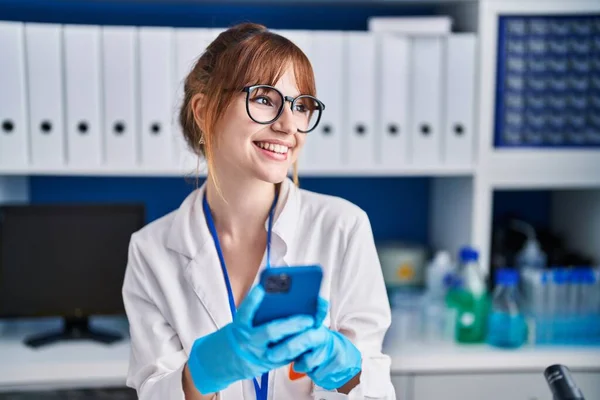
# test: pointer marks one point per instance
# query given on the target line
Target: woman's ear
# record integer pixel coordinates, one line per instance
(198, 107)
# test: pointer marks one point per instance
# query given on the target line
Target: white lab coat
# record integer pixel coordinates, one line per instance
(174, 293)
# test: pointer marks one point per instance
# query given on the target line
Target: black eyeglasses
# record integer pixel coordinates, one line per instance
(265, 103)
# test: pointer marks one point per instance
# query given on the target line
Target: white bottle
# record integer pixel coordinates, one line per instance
(437, 273)
(438, 320)
(531, 254)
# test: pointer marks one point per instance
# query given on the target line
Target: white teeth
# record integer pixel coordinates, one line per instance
(276, 148)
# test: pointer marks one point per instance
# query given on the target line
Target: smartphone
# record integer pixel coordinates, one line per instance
(289, 291)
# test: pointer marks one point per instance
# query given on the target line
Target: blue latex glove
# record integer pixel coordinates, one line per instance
(239, 351)
(327, 357)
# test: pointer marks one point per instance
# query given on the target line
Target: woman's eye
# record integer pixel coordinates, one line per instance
(301, 108)
(263, 100)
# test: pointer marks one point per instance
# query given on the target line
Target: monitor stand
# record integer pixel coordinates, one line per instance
(73, 329)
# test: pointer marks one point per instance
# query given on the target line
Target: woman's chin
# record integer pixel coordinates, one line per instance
(272, 175)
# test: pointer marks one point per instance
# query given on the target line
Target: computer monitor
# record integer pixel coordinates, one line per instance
(67, 261)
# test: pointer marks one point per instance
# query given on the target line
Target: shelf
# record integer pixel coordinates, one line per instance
(95, 365)
(61, 365)
(303, 2)
(537, 169)
(349, 171)
(343, 171)
(452, 358)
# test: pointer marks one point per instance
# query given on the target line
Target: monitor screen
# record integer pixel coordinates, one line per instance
(64, 260)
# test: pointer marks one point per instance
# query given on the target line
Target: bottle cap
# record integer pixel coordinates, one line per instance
(577, 275)
(587, 276)
(507, 277)
(468, 254)
(453, 281)
(544, 276)
(560, 276)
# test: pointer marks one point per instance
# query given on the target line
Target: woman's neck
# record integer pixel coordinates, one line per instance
(240, 213)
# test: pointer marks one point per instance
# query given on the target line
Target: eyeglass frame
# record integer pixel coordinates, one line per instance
(292, 100)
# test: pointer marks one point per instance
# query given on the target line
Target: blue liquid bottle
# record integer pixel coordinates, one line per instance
(507, 327)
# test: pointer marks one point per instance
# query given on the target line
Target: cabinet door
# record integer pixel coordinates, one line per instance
(589, 383)
(501, 386)
(403, 386)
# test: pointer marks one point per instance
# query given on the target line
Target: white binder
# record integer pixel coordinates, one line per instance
(82, 95)
(190, 43)
(121, 100)
(459, 99)
(426, 99)
(45, 84)
(156, 66)
(359, 132)
(13, 109)
(394, 87)
(324, 144)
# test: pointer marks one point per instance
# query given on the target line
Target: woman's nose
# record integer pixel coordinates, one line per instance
(286, 122)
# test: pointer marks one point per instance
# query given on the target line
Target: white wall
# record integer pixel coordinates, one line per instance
(576, 217)
(451, 213)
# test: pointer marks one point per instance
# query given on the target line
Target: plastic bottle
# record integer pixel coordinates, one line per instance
(561, 278)
(559, 312)
(436, 275)
(469, 298)
(595, 302)
(437, 318)
(590, 293)
(574, 285)
(507, 325)
(531, 254)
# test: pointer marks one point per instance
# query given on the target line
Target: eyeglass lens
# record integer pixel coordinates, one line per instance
(265, 104)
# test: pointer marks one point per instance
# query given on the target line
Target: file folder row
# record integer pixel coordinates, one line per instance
(549, 82)
(106, 96)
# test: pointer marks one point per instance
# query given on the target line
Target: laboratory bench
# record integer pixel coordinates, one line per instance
(420, 371)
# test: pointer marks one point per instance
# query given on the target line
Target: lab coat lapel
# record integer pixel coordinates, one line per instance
(205, 275)
(189, 236)
(286, 222)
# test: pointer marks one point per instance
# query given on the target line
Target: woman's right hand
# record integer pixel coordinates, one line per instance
(241, 351)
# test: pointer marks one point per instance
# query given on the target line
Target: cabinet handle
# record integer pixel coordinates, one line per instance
(459, 129)
(46, 127)
(361, 129)
(8, 126)
(155, 128)
(119, 128)
(82, 127)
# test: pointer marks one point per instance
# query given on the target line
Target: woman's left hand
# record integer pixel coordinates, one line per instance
(328, 358)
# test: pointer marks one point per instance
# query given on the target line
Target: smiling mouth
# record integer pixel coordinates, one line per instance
(273, 148)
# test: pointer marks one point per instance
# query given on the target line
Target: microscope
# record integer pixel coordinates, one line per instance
(561, 383)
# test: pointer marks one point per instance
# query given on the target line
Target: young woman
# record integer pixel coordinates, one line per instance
(191, 289)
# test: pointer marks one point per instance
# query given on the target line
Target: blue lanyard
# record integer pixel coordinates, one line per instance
(262, 390)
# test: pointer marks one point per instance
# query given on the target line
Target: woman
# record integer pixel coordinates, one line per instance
(190, 288)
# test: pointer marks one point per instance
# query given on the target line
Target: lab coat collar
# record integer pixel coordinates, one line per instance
(189, 235)
(189, 232)
(287, 214)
